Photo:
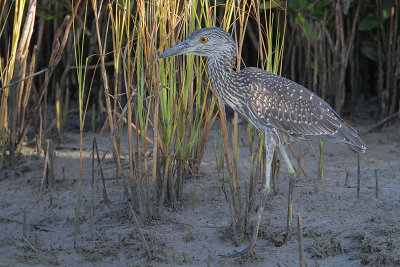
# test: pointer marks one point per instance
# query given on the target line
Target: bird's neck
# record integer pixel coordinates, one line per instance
(223, 78)
(220, 70)
(223, 62)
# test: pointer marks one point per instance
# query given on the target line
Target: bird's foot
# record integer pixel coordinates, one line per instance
(242, 252)
(283, 237)
(249, 248)
(263, 195)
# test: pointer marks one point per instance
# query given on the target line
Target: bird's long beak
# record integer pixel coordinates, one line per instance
(179, 49)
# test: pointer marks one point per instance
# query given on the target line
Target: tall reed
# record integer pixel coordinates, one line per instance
(81, 67)
(170, 99)
(7, 71)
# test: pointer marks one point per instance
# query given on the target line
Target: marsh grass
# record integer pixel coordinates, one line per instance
(169, 105)
(13, 63)
(172, 101)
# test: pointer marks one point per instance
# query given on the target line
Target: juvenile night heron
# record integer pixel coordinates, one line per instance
(284, 110)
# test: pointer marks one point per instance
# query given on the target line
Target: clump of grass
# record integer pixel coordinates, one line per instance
(169, 106)
(166, 99)
(13, 74)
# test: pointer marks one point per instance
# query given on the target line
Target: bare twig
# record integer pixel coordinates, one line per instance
(45, 170)
(105, 197)
(358, 176)
(30, 245)
(298, 162)
(23, 79)
(134, 127)
(136, 221)
(346, 182)
(51, 153)
(24, 223)
(301, 242)
(376, 184)
(92, 194)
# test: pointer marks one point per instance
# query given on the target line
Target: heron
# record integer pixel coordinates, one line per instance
(283, 110)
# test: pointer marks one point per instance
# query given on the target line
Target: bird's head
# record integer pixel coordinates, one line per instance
(208, 42)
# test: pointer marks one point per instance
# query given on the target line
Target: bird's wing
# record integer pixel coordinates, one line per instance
(289, 107)
(292, 111)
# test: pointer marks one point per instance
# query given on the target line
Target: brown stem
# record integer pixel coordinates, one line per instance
(107, 97)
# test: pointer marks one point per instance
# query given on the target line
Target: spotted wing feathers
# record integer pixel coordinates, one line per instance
(294, 112)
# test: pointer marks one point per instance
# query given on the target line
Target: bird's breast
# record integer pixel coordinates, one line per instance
(226, 86)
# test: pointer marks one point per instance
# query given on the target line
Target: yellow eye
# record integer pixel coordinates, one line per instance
(203, 40)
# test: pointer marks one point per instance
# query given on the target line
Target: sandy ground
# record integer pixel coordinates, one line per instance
(338, 229)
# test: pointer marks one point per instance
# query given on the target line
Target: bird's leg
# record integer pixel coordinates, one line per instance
(266, 188)
(292, 180)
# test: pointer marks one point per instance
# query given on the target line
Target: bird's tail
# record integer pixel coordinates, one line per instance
(351, 138)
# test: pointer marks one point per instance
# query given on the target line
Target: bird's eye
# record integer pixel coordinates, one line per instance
(203, 40)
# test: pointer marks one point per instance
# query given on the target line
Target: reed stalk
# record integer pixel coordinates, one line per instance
(14, 61)
(81, 67)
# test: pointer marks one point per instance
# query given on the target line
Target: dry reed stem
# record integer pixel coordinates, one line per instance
(36, 250)
(155, 137)
(55, 255)
(78, 195)
(231, 211)
(298, 161)
(50, 175)
(23, 79)
(45, 170)
(346, 181)
(376, 184)
(275, 169)
(18, 74)
(107, 96)
(203, 140)
(127, 79)
(320, 162)
(301, 242)
(105, 197)
(58, 112)
(171, 189)
(135, 127)
(225, 137)
(139, 229)
(24, 227)
(92, 193)
(164, 183)
(316, 157)
(28, 87)
(235, 124)
(358, 176)
(39, 141)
